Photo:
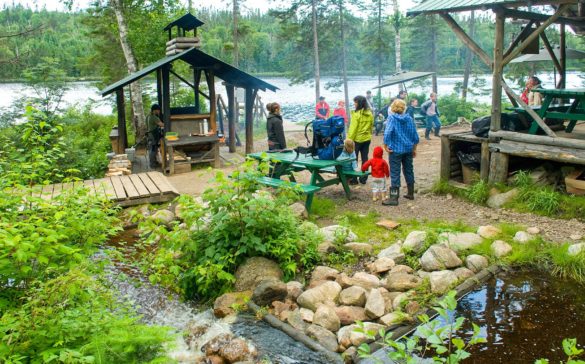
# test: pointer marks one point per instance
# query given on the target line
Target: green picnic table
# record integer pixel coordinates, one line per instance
(284, 164)
(574, 112)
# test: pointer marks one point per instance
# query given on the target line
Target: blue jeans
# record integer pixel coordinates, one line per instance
(433, 121)
(403, 160)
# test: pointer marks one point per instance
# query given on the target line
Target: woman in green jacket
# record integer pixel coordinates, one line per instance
(360, 129)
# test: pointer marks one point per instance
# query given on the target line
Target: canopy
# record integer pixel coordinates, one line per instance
(402, 77)
(544, 55)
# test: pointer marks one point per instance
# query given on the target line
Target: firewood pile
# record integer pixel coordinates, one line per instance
(180, 44)
(119, 165)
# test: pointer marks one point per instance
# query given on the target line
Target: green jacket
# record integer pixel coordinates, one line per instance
(360, 127)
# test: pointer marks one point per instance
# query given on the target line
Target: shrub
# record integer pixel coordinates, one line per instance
(478, 192)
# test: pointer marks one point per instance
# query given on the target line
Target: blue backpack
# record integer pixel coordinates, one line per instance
(327, 143)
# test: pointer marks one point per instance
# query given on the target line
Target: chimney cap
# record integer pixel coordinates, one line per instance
(186, 22)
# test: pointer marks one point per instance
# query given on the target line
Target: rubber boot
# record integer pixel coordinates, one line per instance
(428, 134)
(437, 131)
(410, 193)
(393, 198)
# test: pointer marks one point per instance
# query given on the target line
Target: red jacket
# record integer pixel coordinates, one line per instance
(379, 165)
(322, 110)
(340, 112)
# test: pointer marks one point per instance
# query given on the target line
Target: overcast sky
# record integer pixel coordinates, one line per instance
(221, 4)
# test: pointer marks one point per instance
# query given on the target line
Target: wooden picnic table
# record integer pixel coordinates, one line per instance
(283, 164)
(573, 112)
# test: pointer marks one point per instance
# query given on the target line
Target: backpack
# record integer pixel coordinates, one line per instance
(327, 141)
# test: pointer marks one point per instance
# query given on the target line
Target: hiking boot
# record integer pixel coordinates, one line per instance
(393, 199)
(438, 131)
(363, 180)
(410, 193)
(427, 134)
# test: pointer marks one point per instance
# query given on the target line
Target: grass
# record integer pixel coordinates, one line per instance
(323, 207)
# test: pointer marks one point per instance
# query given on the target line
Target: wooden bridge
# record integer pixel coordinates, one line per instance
(135, 189)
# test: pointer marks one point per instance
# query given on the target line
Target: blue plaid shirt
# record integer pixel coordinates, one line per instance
(400, 134)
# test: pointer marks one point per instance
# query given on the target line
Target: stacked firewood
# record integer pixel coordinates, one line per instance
(119, 165)
(180, 44)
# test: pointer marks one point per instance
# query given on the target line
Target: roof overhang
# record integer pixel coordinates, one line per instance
(402, 77)
(453, 6)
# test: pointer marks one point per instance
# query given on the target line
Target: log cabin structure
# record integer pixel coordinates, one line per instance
(197, 131)
(565, 146)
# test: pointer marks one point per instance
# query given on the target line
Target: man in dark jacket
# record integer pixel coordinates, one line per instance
(274, 128)
(322, 109)
(431, 112)
(153, 134)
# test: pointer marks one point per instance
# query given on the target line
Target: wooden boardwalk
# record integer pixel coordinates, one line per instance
(135, 189)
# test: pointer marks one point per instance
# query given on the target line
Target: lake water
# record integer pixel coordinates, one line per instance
(296, 100)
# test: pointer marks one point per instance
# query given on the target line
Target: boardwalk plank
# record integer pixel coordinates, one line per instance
(109, 188)
(100, 186)
(89, 184)
(140, 187)
(67, 186)
(152, 189)
(119, 188)
(162, 183)
(131, 191)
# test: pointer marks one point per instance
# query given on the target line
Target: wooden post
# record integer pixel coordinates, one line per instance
(166, 97)
(230, 89)
(563, 58)
(197, 82)
(159, 86)
(122, 134)
(497, 73)
(484, 167)
(445, 158)
(465, 39)
(249, 112)
(551, 51)
(212, 101)
(498, 167)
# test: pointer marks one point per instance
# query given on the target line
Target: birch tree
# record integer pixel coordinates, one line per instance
(316, 51)
(397, 20)
(468, 58)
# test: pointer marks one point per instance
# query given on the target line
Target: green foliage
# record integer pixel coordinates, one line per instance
(237, 221)
(571, 350)
(436, 337)
(478, 192)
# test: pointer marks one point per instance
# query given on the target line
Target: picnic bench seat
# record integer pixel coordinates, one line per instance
(352, 173)
(308, 190)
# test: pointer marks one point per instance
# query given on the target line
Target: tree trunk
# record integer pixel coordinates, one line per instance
(316, 52)
(135, 88)
(468, 58)
(343, 59)
(397, 38)
(235, 35)
(434, 51)
(379, 51)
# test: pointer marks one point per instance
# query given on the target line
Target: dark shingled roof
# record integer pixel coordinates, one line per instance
(187, 22)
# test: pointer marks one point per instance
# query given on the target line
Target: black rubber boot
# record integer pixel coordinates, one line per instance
(428, 134)
(393, 198)
(410, 193)
(437, 131)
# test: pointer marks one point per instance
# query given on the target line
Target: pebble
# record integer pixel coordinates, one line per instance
(576, 237)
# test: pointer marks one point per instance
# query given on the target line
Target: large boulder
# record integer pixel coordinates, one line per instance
(323, 336)
(498, 200)
(338, 234)
(476, 262)
(353, 296)
(299, 210)
(576, 249)
(359, 249)
(442, 280)
(393, 252)
(375, 305)
(254, 270)
(358, 338)
(439, 257)
(163, 217)
(415, 241)
(401, 268)
(488, 231)
(225, 304)
(237, 350)
(307, 315)
(268, 291)
(460, 241)
(344, 335)
(401, 282)
(326, 317)
(393, 318)
(294, 290)
(326, 292)
(381, 265)
(463, 273)
(350, 314)
(295, 319)
(365, 280)
(323, 273)
(500, 248)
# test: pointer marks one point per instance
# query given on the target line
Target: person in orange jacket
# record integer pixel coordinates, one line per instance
(340, 111)
(322, 109)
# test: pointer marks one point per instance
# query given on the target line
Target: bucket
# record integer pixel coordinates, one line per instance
(130, 152)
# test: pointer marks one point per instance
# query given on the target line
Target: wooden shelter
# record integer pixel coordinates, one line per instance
(189, 121)
(560, 147)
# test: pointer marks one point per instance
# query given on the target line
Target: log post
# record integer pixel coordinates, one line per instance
(497, 73)
(445, 158)
(230, 90)
(122, 134)
(197, 83)
(166, 97)
(563, 58)
(212, 101)
(249, 112)
(498, 168)
(159, 86)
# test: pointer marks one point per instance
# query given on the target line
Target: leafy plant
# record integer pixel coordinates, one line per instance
(478, 192)
(571, 350)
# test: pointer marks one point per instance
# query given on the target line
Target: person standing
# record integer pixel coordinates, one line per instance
(370, 100)
(322, 109)
(400, 141)
(430, 110)
(360, 129)
(534, 97)
(340, 111)
(412, 105)
(153, 134)
(274, 128)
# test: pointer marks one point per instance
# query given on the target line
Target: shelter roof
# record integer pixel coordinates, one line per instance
(198, 59)
(187, 22)
(403, 76)
(436, 6)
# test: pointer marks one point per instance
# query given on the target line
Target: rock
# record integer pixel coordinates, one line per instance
(282, 309)
(357, 338)
(350, 314)
(415, 241)
(522, 237)
(344, 335)
(353, 296)
(350, 355)
(439, 257)
(365, 280)
(163, 217)
(236, 350)
(393, 252)
(388, 224)
(375, 305)
(399, 299)
(576, 237)
(500, 248)
(268, 291)
(476, 262)
(488, 231)
(254, 270)
(388, 299)
(412, 307)
(533, 230)
(326, 317)
(576, 249)
(338, 234)
(294, 290)
(392, 318)
(299, 210)
(463, 273)
(401, 268)
(224, 305)
(401, 282)
(323, 337)
(323, 273)
(295, 320)
(381, 265)
(212, 359)
(460, 241)
(311, 298)
(359, 249)
(423, 273)
(344, 280)
(442, 280)
(498, 200)
(326, 247)
(307, 315)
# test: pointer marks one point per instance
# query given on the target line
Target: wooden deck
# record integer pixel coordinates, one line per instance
(135, 189)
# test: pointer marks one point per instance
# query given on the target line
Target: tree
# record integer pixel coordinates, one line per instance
(316, 51)
(468, 58)
(48, 83)
(235, 33)
(397, 20)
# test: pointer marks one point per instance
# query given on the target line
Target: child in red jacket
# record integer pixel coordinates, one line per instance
(380, 172)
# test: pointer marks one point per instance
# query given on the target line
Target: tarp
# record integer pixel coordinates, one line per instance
(544, 55)
(402, 77)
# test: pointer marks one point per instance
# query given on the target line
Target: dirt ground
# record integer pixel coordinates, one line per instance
(426, 205)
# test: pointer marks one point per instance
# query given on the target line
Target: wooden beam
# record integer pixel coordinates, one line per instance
(159, 86)
(197, 82)
(513, 54)
(122, 134)
(527, 29)
(249, 111)
(209, 76)
(527, 15)
(537, 151)
(539, 139)
(550, 50)
(166, 97)
(230, 90)
(470, 43)
(563, 58)
(497, 73)
(182, 79)
(528, 109)
(498, 167)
